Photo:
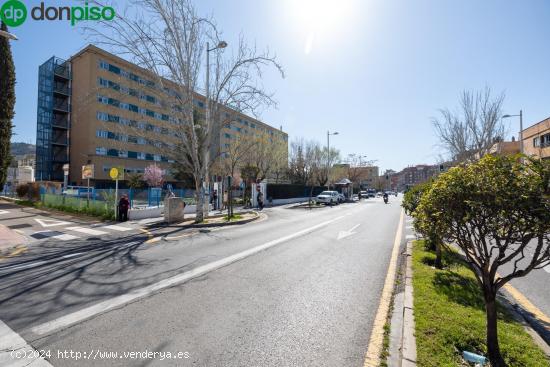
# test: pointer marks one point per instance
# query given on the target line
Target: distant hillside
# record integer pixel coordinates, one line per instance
(22, 148)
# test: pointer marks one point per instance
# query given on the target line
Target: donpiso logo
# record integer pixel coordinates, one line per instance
(14, 13)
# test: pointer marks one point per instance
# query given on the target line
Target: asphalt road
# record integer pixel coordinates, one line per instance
(299, 288)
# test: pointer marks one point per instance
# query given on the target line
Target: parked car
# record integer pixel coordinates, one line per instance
(364, 195)
(372, 193)
(328, 197)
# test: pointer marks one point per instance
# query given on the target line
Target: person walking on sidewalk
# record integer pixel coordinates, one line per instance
(260, 199)
(123, 206)
(215, 200)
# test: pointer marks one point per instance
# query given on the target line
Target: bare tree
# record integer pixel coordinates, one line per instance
(169, 38)
(473, 130)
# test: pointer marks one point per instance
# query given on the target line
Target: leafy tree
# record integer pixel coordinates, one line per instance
(135, 181)
(497, 211)
(7, 104)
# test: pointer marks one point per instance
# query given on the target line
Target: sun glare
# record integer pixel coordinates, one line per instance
(316, 18)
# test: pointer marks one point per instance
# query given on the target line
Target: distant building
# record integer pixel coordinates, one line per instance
(415, 175)
(536, 139)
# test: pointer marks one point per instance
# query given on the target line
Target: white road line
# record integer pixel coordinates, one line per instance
(50, 222)
(93, 232)
(17, 267)
(11, 341)
(72, 255)
(118, 301)
(118, 228)
(409, 227)
(4, 212)
(65, 237)
(410, 237)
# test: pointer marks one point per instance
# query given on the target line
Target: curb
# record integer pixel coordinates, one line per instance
(206, 225)
(408, 348)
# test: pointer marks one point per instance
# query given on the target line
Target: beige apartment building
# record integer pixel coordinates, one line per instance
(97, 108)
(536, 139)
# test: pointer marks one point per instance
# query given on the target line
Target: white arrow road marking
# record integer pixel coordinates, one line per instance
(344, 234)
(9, 341)
(4, 212)
(50, 222)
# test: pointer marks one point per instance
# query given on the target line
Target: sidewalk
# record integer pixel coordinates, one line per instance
(9, 239)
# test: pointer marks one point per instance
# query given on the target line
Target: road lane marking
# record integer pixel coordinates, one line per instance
(121, 300)
(526, 304)
(117, 228)
(547, 268)
(17, 267)
(410, 237)
(409, 227)
(11, 341)
(344, 234)
(50, 222)
(4, 212)
(72, 255)
(65, 237)
(93, 232)
(372, 358)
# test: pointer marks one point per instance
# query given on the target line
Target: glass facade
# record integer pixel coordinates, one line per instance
(53, 119)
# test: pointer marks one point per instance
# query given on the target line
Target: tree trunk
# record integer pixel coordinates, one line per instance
(199, 198)
(492, 337)
(438, 254)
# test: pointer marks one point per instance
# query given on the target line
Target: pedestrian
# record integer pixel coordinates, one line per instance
(123, 206)
(260, 198)
(215, 200)
(225, 200)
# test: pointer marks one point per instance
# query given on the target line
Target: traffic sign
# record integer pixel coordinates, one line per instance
(87, 171)
(117, 173)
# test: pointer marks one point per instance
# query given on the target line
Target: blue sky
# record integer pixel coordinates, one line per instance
(375, 71)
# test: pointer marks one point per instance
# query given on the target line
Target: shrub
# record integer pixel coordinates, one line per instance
(22, 190)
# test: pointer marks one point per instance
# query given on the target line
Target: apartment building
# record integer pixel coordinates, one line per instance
(97, 108)
(414, 175)
(536, 139)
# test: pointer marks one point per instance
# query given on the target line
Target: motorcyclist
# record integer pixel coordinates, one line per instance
(385, 197)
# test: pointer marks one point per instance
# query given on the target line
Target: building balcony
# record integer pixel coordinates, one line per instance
(60, 158)
(60, 122)
(60, 141)
(63, 71)
(61, 89)
(61, 106)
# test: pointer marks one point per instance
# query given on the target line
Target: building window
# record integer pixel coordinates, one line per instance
(140, 155)
(101, 151)
(102, 134)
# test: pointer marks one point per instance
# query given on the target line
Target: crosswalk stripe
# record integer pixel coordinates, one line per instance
(65, 237)
(117, 228)
(93, 232)
(410, 237)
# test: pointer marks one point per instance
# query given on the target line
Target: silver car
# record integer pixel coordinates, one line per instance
(327, 197)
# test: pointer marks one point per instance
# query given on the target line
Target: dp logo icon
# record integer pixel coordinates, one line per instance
(13, 13)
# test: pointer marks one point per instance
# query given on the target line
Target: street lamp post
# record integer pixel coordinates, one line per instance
(520, 136)
(221, 44)
(328, 156)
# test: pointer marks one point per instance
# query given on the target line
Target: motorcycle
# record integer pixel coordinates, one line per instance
(385, 199)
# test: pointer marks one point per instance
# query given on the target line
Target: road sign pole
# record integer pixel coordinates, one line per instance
(88, 194)
(116, 199)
